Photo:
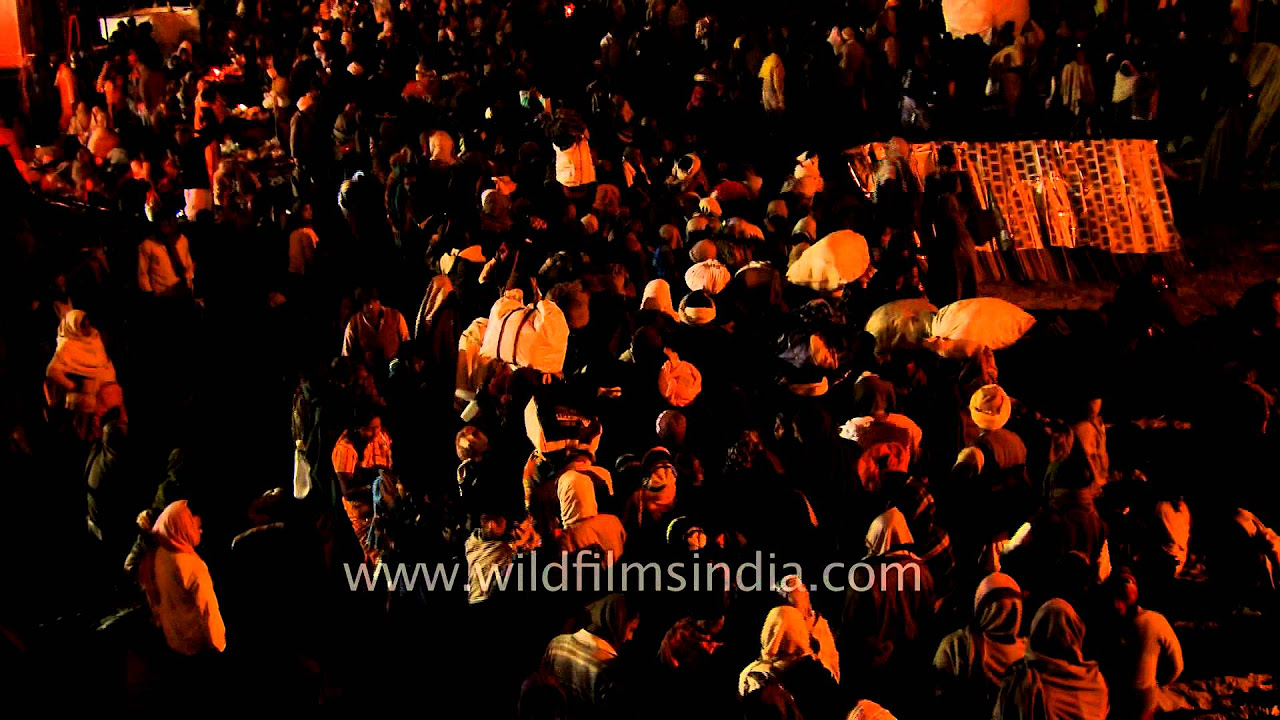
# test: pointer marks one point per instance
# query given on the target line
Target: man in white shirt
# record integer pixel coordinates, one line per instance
(165, 267)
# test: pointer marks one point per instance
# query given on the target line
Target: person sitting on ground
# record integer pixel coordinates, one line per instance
(1054, 681)
(973, 662)
(1136, 648)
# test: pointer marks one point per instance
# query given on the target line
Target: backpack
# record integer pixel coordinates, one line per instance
(554, 427)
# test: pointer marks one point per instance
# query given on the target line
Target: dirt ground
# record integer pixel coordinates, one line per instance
(1223, 257)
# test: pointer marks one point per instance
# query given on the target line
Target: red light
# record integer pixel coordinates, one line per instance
(568, 10)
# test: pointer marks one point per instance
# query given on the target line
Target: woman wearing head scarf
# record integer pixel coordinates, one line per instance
(81, 370)
(796, 594)
(788, 675)
(585, 527)
(578, 661)
(888, 606)
(657, 300)
(974, 661)
(1054, 681)
(179, 588)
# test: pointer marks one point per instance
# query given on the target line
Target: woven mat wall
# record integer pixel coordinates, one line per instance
(1104, 194)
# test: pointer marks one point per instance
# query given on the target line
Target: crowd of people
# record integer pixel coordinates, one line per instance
(586, 285)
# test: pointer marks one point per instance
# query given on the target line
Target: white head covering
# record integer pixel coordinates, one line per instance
(709, 276)
(785, 635)
(888, 531)
(657, 296)
(693, 315)
(577, 493)
(784, 638)
(472, 254)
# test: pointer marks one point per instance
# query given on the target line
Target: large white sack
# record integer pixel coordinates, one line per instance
(982, 17)
(532, 336)
(979, 322)
(831, 263)
(901, 324)
(473, 368)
